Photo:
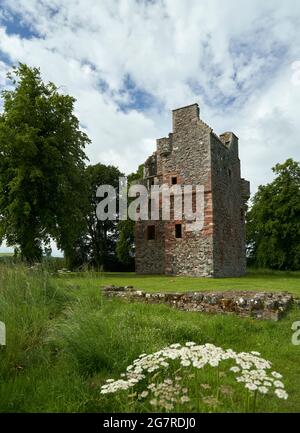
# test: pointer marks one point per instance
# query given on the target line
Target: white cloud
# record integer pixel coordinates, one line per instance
(3, 71)
(233, 58)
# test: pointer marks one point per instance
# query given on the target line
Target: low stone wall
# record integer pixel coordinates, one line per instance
(259, 305)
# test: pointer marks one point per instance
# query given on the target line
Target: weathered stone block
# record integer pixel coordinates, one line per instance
(258, 305)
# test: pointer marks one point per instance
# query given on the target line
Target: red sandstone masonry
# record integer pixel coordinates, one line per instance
(197, 156)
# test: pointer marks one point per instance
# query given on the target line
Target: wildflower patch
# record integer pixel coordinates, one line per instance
(161, 381)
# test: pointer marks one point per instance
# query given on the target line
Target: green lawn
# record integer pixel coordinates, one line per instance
(254, 280)
(64, 339)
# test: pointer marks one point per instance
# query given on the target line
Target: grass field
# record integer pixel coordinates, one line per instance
(64, 340)
(262, 280)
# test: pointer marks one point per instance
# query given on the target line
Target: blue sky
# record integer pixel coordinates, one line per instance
(14, 25)
(128, 63)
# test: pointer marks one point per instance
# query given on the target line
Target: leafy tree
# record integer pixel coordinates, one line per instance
(273, 223)
(97, 243)
(105, 244)
(42, 186)
(125, 244)
(103, 234)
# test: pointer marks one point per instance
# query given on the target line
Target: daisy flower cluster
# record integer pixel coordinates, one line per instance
(249, 368)
(259, 380)
(167, 394)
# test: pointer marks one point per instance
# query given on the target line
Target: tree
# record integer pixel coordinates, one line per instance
(102, 234)
(105, 244)
(125, 244)
(273, 223)
(96, 244)
(42, 161)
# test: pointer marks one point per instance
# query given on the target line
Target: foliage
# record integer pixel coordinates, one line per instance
(41, 166)
(97, 243)
(273, 223)
(125, 244)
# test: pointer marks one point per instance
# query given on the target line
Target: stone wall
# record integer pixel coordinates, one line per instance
(150, 254)
(196, 156)
(228, 207)
(258, 305)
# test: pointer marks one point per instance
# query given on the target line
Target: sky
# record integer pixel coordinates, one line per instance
(128, 63)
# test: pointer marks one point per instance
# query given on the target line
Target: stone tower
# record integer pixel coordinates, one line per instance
(194, 154)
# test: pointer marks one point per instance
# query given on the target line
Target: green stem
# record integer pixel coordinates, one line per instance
(254, 401)
(247, 401)
(218, 383)
(197, 390)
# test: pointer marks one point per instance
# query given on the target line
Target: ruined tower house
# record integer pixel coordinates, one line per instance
(193, 154)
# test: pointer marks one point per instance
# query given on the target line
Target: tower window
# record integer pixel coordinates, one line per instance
(174, 180)
(178, 231)
(151, 233)
(229, 172)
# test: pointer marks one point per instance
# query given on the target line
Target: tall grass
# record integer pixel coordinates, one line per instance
(64, 340)
(29, 302)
